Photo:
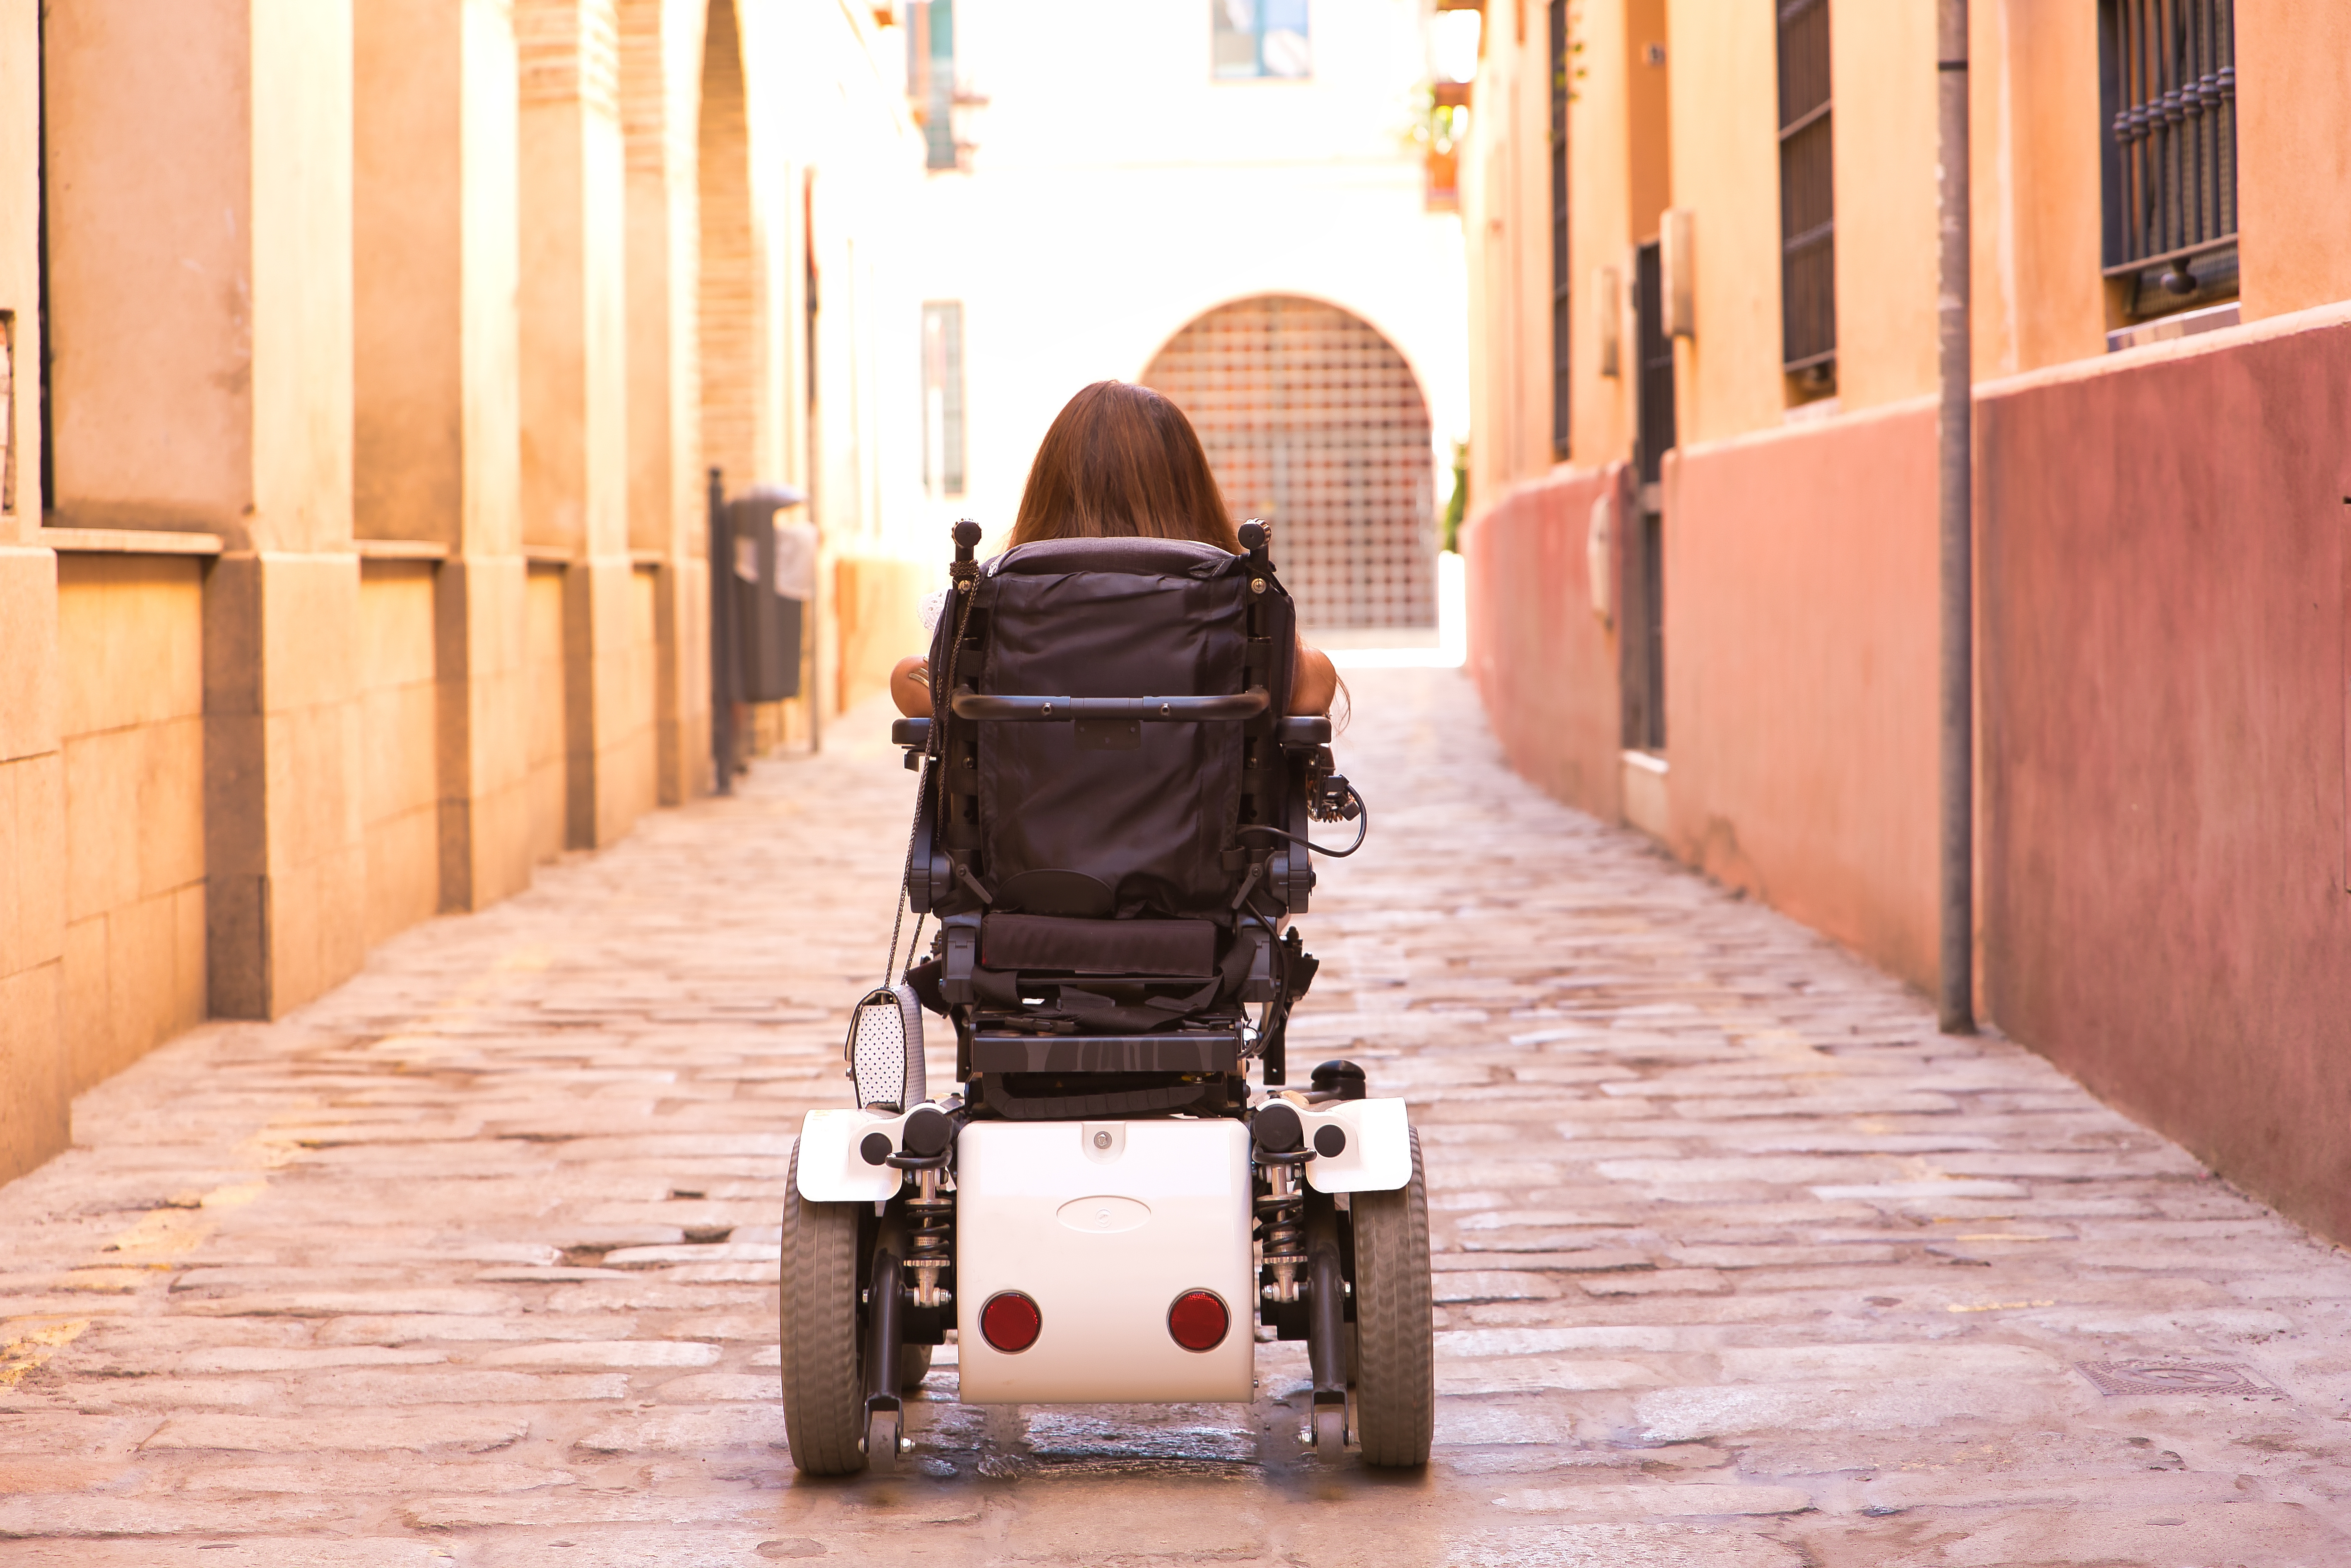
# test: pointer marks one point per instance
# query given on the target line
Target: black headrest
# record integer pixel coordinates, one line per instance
(1170, 558)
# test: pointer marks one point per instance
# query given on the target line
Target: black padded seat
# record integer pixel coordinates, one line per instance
(1049, 944)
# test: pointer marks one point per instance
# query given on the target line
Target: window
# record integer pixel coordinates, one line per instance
(1261, 38)
(931, 78)
(942, 398)
(1807, 199)
(2169, 93)
(1559, 301)
(7, 410)
(1643, 670)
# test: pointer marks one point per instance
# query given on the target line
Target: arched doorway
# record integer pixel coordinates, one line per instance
(1313, 420)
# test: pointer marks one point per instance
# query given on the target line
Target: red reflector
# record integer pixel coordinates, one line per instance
(1198, 1320)
(1010, 1322)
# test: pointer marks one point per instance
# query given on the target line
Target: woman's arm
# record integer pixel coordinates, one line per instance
(910, 688)
(1314, 682)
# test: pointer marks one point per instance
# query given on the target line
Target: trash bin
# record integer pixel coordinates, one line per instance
(755, 630)
(770, 619)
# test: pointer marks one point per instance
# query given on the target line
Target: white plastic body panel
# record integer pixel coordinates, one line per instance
(1378, 1155)
(1166, 1210)
(833, 1171)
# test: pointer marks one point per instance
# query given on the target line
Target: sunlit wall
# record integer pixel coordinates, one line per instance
(1130, 170)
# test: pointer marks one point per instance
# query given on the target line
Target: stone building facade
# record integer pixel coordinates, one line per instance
(360, 365)
(1229, 200)
(1703, 558)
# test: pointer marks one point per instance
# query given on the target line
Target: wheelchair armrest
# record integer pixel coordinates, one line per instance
(1150, 710)
(915, 734)
(1302, 730)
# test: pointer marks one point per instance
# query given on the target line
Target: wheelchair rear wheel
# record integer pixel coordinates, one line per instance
(824, 1388)
(1395, 1360)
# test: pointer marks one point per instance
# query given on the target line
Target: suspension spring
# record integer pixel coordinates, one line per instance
(1281, 1225)
(930, 1218)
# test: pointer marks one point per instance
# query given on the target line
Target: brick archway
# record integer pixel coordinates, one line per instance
(1314, 419)
(729, 302)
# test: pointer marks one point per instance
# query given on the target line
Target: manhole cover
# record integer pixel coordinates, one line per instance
(2171, 1378)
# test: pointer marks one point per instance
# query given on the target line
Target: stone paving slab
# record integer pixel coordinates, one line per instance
(1741, 1265)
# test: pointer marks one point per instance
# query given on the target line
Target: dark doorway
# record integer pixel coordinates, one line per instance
(1643, 651)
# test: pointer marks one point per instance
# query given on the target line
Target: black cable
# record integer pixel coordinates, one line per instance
(1363, 832)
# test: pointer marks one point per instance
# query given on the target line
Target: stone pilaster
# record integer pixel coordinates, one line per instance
(34, 1089)
(439, 394)
(662, 45)
(285, 862)
(575, 403)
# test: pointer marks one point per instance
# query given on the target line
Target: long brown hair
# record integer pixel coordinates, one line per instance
(1122, 461)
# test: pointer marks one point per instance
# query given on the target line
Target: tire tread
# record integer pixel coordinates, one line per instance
(1395, 1350)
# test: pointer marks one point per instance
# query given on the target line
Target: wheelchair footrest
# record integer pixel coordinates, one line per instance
(1106, 1052)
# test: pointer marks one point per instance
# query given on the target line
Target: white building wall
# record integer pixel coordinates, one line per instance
(1117, 189)
(830, 118)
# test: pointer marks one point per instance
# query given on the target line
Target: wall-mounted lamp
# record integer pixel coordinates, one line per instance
(1677, 269)
(1607, 316)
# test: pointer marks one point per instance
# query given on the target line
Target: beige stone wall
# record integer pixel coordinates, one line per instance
(2294, 167)
(634, 758)
(482, 629)
(877, 603)
(34, 1077)
(544, 678)
(2039, 296)
(1617, 146)
(130, 654)
(1726, 171)
(1699, 134)
(141, 339)
(399, 796)
(286, 858)
(382, 320)
(731, 329)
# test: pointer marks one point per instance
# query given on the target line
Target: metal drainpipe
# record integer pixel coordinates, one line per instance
(1954, 434)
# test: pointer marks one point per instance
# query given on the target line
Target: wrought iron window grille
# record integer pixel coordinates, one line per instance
(1807, 197)
(2169, 90)
(1560, 306)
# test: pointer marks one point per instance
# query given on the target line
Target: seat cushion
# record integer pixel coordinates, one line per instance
(1039, 943)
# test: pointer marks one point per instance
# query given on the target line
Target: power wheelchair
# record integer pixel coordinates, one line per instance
(1112, 836)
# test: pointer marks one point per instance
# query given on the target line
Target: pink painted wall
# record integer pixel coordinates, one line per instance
(1801, 657)
(2164, 645)
(2163, 568)
(1544, 662)
(1800, 667)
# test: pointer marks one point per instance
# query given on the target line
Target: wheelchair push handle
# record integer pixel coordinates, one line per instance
(1150, 710)
(1296, 731)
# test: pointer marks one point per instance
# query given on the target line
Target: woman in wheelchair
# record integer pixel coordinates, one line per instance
(1124, 756)
(1123, 462)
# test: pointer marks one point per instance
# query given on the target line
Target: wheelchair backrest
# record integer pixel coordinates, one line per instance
(1111, 817)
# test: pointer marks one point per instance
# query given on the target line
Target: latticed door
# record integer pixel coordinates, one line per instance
(1313, 420)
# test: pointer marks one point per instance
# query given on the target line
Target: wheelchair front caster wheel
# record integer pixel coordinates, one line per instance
(884, 1442)
(1329, 1431)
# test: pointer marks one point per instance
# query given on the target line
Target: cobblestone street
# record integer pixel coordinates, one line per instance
(1740, 1264)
